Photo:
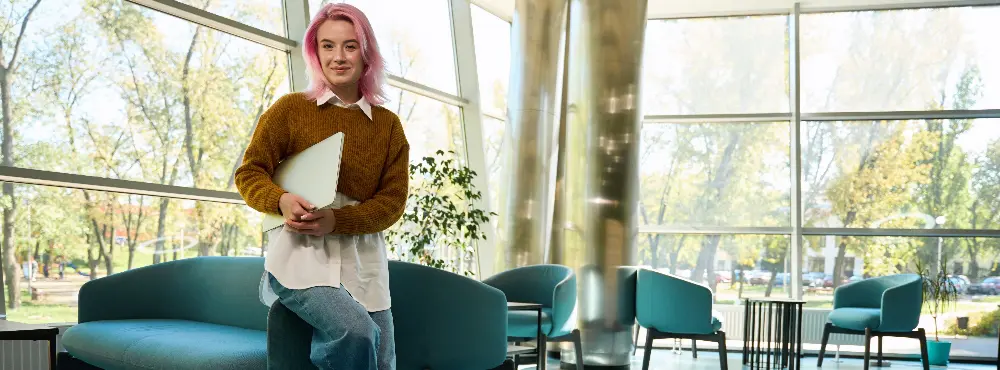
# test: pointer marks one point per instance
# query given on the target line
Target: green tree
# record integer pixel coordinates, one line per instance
(15, 26)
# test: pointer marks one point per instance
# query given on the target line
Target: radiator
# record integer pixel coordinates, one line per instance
(26, 354)
(813, 321)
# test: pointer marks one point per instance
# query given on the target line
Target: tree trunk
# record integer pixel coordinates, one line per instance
(161, 225)
(705, 269)
(770, 284)
(12, 269)
(838, 263)
(109, 256)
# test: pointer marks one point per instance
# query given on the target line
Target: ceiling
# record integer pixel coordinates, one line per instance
(694, 8)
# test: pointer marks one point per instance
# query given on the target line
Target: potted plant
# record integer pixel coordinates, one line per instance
(441, 223)
(939, 293)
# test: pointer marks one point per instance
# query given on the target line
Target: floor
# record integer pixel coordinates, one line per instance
(665, 359)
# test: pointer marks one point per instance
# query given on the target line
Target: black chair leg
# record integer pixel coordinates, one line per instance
(578, 349)
(879, 351)
(694, 348)
(923, 348)
(822, 346)
(543, 353)
(723, 355)
(868, 346)
(647, 350)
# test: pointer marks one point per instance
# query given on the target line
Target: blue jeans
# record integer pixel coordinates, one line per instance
(345, 335)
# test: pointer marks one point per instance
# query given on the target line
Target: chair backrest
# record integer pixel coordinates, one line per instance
(672, 304)
(218, 290)
(445, 321)
(532, 284)
(868, 293)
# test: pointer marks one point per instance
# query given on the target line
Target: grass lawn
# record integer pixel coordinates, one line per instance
(40, 313)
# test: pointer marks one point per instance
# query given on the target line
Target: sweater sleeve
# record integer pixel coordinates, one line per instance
(387, 205)
(267, 147)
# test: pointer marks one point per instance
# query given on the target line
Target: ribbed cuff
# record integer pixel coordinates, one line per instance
(345, 221)
(273, 200)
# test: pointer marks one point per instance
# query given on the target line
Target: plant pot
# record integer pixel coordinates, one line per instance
(938, 352)
(963, 323)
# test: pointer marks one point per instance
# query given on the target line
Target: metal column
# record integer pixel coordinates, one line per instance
(602, 179)
(534, 99)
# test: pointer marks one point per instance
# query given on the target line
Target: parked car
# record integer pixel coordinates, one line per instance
(813, 279)
(961, 285)
(990, 285)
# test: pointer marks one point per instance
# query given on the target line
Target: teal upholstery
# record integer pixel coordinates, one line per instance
(446, 321)
(205, 313)
(205, 308)
(524, 324)
(856, 318)
(896, 298)
(552, 286)
(443, 321)
(672, 307)
(887, 306)
(672, 304)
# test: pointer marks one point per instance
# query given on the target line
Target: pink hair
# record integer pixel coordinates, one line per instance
(373, 74)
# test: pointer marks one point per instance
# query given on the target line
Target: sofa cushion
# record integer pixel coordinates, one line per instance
(166, 344)
(856, 318)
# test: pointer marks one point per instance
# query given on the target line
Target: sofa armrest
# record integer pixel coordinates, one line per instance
(446, 321)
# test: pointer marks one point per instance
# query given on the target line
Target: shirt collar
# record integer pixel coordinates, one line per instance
(329, 96)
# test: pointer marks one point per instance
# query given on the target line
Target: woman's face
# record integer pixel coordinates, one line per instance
(339, 52)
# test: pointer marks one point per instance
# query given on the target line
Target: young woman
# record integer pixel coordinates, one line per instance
(328, 265)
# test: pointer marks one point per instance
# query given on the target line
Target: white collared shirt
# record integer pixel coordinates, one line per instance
(358, 262)
(336, 100)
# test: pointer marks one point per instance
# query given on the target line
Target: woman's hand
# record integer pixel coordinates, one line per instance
(318, 223)
(293, 207)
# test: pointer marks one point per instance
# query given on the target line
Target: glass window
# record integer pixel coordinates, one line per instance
(714, 66)
(72, 236)
(712, 174)
(413, 47)
(430, 124)
(493, 135)
(492, 38)
(761, 260)
(873, 256)
(919, 59)
(265, 15)
(131, 93)
(918, 174)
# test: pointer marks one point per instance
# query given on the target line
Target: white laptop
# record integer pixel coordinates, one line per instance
(311, 174)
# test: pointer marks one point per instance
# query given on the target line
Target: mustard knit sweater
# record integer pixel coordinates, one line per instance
(374, 168)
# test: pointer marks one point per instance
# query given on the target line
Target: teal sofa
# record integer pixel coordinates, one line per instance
(204, 313)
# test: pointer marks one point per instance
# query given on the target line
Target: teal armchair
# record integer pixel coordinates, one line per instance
(552, 286)
(672, 307)
(443, 321)
(887, 306)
